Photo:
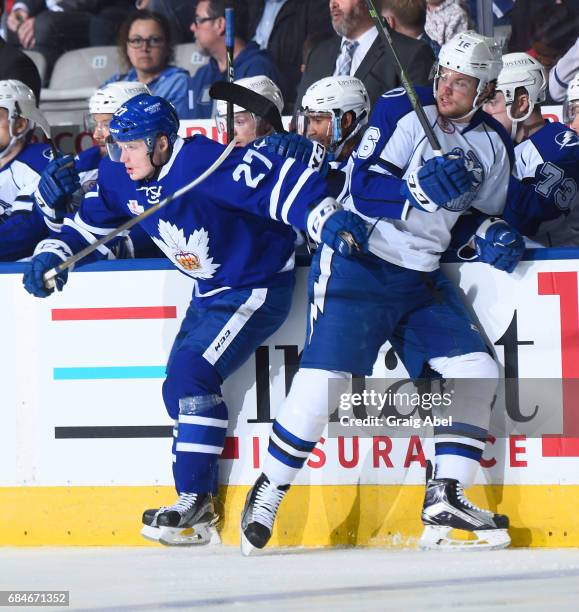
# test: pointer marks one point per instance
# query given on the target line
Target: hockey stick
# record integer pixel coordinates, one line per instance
(406, 83)
(49, 276)
(229, 46)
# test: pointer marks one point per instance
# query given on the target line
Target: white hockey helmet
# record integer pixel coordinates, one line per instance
(522, 70)
(472, 54)
(336, 95)
(261, 85)
(571, 104)
(19, 100)
(111, 97)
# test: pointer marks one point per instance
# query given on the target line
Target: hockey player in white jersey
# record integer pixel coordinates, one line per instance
(543, 200)
(21, 163)
(247, 125)
(232, 236)
(399, 293)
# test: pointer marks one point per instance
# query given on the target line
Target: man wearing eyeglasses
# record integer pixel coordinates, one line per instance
(248, 60)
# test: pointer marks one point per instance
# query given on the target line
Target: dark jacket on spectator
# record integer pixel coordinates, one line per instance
(296, 21)
(17, 65)
(87, 6)
(377, 71)
(252, 61)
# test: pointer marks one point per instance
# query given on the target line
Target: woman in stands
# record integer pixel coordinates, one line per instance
(145, 48)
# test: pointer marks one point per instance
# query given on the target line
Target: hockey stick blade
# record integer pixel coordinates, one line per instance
(249, 100)
(50, 275)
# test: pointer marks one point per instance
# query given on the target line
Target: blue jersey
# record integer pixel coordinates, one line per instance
(226, 232)
(543, 198)
(394, 145)
(21, 225)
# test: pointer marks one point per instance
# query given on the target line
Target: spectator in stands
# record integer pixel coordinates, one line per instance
(249, 60)
(357, 50)
(17, 65)
(179, 14)
(445, 19)
(145, 47)
(52, 26)
(104, 28)
(281, 27)
(554, 29)
(408, 17)
(527, 14)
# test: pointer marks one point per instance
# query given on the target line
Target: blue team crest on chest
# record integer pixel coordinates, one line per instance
(190, 254)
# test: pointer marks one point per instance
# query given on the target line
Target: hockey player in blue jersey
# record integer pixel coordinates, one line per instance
(543, 199)
(21, 163)
(398, 292)
(65, 180)
(232, 235)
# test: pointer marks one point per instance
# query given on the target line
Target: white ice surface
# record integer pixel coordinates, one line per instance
(134, 579)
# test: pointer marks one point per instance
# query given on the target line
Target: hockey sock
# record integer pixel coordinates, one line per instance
(458, 451)
(200, 439)
(459, 445)
(299, 424)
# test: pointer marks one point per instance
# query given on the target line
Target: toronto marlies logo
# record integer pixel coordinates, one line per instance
(153, 193)
(189, 254)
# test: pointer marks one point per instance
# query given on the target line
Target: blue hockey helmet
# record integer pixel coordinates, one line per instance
(143, 117)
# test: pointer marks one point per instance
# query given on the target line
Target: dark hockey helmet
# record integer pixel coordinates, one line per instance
(143, 117)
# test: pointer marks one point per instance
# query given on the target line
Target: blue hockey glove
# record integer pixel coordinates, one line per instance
(312, 154)
(343, 231)
(57, 183)
(498, 244)
(437, 184)
(33, 277)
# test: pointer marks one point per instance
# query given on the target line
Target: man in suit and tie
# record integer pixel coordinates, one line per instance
(357, 50)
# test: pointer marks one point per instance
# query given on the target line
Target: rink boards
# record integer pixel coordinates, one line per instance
(85, 442)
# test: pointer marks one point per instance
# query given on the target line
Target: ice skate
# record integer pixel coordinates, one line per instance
(259, 512)
(191, 520)
(446, 508)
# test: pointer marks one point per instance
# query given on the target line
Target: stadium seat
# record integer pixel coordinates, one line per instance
(76, 75)
(189, 57)
(39, 62)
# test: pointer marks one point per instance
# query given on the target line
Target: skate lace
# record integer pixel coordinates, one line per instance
(185, 502)
(464, 500)
(267, 501)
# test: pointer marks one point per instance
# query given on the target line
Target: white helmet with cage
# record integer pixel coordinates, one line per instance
(472, 54)
(571, 104)
(336, 95)
(522, 70)
(111, 97)
(19, 101)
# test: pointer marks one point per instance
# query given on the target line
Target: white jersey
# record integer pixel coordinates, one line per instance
(393, 146)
